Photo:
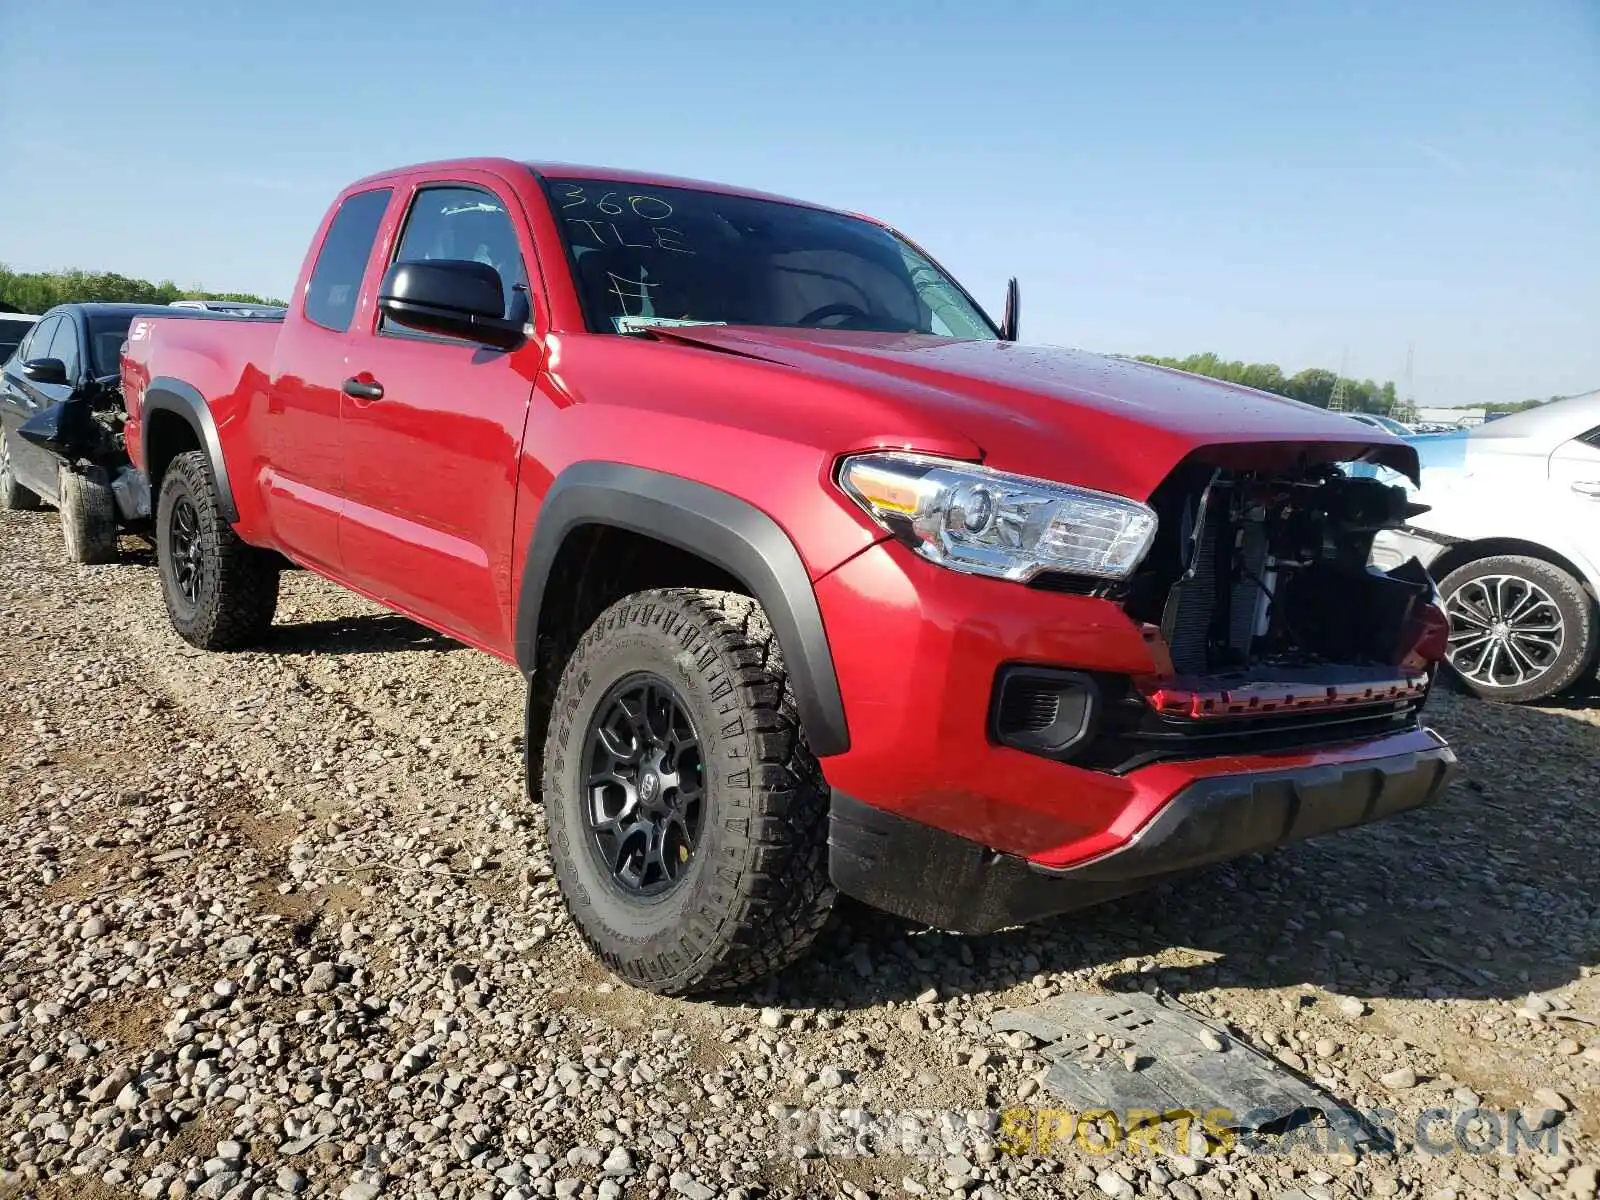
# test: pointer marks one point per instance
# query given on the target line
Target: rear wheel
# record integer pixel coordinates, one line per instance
(688, 821)
(220, 591)
(13, 495)
(1521, 628)
(88, 514)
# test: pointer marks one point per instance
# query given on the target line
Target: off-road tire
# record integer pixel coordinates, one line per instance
(1575, 663)
(88, 514)
(237, 592)
(756, 891)
(13, 496)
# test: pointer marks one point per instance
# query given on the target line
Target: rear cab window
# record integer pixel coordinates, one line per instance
(336, 278)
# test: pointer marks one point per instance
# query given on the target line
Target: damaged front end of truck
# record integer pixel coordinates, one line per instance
(1273, 624)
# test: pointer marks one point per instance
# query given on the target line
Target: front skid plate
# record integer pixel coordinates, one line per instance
(1176, 1071)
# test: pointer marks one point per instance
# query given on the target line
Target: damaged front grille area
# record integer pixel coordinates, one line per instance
(1258, 570)
(1279, 636)
(1133, 731)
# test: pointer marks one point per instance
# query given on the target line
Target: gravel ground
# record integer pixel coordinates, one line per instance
(282, 923)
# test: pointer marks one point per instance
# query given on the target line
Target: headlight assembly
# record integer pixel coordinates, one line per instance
(985, 522)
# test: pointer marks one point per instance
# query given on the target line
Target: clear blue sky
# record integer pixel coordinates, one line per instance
(1273, 181)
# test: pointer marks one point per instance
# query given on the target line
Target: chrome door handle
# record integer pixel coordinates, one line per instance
(1588, 487)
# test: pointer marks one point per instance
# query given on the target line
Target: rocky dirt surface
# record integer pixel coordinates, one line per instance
(282, 923)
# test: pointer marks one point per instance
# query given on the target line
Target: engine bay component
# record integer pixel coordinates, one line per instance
(1255, 570)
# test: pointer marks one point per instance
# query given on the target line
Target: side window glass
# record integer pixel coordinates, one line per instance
(38, 340)
(64, 345)
(1592, 438)
(464, 223)
(336, 278)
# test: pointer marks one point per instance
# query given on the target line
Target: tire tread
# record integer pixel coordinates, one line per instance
(771, 900)
(238, 612)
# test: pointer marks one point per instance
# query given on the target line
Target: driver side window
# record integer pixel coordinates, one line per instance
(38, 340)
(463, 223)
(65, 347)
(63, 344)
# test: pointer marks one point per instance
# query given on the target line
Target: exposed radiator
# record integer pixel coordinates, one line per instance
(1190, 626)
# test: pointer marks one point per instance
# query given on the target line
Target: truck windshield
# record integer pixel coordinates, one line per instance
(646, 256)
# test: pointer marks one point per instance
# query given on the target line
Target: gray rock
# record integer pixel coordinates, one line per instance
(359, 1189)
(1352, 1008)
(291, 1181)
(1399, 1079)
(324, 977)
(1114, 1185)
(618, 1162)
(1551, 1098)
(687, 1185)
(236, 948)
(771, 1018)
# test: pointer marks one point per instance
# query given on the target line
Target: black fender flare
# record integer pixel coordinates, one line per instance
(165, 394)
(730, 533)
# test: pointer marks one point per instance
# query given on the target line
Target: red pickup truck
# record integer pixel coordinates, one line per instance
(820, 580)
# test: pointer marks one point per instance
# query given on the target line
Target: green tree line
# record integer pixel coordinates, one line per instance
(36, 291)
(1314, 385)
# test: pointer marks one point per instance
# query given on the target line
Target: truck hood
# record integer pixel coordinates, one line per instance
(1065, 414)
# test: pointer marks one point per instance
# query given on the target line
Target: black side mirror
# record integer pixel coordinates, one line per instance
(45, 370)
(1008, 327)
(457, 297)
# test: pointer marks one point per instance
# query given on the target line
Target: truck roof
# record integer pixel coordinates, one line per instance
(563, 170)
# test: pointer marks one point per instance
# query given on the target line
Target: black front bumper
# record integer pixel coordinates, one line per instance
(903, 866)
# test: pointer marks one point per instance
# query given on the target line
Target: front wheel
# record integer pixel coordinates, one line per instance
(13, 495)
(221, 592)
(88, 512)
(1521, 628)
(688, 820)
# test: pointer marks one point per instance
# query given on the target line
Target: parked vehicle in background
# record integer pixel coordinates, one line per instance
(13, 328)
(61, 417)
(1379, 421)
(237, 308)
(819, 581)
(1512, 534)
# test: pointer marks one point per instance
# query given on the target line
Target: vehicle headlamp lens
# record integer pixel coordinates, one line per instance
(985, 522)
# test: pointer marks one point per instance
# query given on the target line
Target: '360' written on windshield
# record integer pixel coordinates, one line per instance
(666, 255)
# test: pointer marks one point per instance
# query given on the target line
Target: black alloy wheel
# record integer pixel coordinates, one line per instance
(186, 551)
(219, 591)
(645, 786)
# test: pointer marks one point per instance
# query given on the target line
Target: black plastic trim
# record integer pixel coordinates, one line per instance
(721, 528)
(165, 394)
(1074, 725)
(941, 879)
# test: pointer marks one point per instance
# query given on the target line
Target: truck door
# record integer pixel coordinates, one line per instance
(302, 480)
(433, 430)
